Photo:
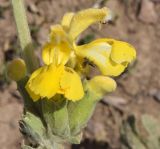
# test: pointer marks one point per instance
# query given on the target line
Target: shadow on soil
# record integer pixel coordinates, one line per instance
(89, 144)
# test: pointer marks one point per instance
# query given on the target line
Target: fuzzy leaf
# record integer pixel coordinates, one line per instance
(129, 137)
(32, 127)
(152, 127)
(80, 112)
(132, 136)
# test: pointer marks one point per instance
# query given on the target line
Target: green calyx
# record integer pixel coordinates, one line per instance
(56, 120)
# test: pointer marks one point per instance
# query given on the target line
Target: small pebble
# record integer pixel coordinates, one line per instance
(147, 12)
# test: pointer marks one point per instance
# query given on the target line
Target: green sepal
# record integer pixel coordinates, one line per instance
(56, 116)
(33, 129)
(66, 119)
(75, 139)
(80, 112)
(63, 120)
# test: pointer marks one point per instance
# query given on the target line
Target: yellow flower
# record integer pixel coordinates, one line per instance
(110, 56)
(52, 79)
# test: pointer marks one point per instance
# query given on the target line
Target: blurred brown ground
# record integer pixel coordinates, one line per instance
(138, 91)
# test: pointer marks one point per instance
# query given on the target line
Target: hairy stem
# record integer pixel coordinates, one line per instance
(24, 35)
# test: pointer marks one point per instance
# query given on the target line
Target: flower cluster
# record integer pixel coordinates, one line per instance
(62, 57)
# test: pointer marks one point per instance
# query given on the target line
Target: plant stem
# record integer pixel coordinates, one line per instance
(24, 35)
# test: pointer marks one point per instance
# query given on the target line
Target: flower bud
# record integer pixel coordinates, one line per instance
(16, 69)
(102, 85)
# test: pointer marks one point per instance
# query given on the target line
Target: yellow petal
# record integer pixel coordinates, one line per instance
(97, 52)
(57, 54)
(66, 20)
(58, 50)
(71, 85)
(35, 74)
(34, 96)
(83, 19)
(121, 51)
(102, 85)
(100, 53)
(48, 53)
(64, 52)
(58, 34)
(46, 82)
(114, 69)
